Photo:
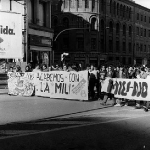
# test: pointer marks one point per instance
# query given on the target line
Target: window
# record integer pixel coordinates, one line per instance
(137, 47)
(72, 3)
(144, 48)
(117, 46)
(79, 3)
(129, 13)
(117, 9)
(123, 11)
(55, 22)
(137, 30)
(102, 5)
(42, 14)
(145, 19)
(110, 6)
(141, 32)
(93, 4)
(130, 31)
(86, 3)
(0, 5)
(110, 27)
(141, 47)
(114, 8)
(102, 26)
(80, 43)
(110, 45)
(102, 45)
(124, 46)
(80, 22)
(129, 60)
(141, 17)
(137, 16)
(144, 32)
(124, 30)
(31, 11)
(117, 29)
(93, 43)
(66, 22)
(65, 3)
(93, 24)
(65, 42)
(124, 60)
(130, 47)
(148, 48)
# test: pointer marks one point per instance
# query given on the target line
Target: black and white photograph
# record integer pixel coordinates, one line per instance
(74, 74)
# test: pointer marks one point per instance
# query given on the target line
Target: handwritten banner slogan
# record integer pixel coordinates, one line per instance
(21, 83)
(134, 89)
(61, 84)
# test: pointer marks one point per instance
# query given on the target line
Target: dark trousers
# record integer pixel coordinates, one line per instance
(111, 96)
(91, 87)
(145, 103)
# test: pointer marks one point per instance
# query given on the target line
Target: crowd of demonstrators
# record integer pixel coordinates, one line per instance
(96, 75)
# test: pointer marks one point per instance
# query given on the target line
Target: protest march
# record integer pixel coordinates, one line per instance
(119, 84)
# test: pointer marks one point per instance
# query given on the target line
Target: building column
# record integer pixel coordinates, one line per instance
(76, 5)
(96, 6)
(63, 5)
(83, 5)
(48, 14)
(69, 5)
(36, 11)
(90, 5)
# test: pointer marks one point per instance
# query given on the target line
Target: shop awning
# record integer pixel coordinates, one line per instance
(38, 48)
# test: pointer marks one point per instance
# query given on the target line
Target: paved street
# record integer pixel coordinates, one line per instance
(44, 123)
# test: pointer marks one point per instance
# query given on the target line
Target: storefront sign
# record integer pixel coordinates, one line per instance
(40, 40)
(10, 35)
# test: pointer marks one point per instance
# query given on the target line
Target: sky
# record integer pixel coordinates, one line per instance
(145, 3)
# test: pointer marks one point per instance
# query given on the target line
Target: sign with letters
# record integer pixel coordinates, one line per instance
(134, 89)
(21, 83)
(10, 35)
(62, 84)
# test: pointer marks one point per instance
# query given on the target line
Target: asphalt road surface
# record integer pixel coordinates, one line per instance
(87, 126)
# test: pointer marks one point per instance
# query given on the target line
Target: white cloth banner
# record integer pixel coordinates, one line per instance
(10, 35)
(134, 89)
(62, 84)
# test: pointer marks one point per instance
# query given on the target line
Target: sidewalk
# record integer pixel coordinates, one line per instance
(21, 109)
(3, 91)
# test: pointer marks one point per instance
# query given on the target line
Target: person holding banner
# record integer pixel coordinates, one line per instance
(142, 75)
(92, 81)
(109, 75)
(121, 73)
(102, 76)
(37, 68)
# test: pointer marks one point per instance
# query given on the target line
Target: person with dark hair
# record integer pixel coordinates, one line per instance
(44, 68)
(28, 69)
(102, 76)
(143, 75)
(37, 68)
(17, 68)
(109, 74)
(93, 74)
(11, 69)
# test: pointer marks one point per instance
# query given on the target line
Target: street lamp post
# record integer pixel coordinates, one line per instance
(68, 30)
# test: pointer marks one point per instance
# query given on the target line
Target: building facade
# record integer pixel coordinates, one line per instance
(36, 28)
(101, 31)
